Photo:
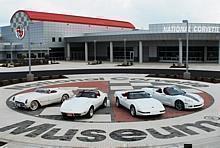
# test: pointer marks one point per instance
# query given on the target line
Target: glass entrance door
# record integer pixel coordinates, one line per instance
(131, 55)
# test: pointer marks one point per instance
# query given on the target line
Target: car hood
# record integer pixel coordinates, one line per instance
(148, 103)
(76, 105)
(29, 95)
(193, 97)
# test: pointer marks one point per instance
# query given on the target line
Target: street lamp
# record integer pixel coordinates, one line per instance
(186, 74)
(94, 50)
(30, 76)
(125, 51)
(41, 52)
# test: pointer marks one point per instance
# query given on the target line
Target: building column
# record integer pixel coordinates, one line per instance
(219, 52)
(86, 52)
(140, 52)
(180, 52)
(205, 54)
(111, 52)
(68, 52)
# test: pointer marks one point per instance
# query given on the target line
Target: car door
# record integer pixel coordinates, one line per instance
(166, 98)
(54, 96)
(127, 101)
(95, 99)
(161, 96)
(123, 99)
(100, 98)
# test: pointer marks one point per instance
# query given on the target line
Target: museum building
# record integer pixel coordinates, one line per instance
(77, 38)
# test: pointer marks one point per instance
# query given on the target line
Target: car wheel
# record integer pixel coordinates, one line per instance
(90, 112)
(179, 105)
(117, 102)
(104, 104)
(64, 97)
(133, 111)
(34, 105)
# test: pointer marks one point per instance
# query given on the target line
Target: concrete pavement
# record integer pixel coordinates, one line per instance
(202, 129)
(67, 65)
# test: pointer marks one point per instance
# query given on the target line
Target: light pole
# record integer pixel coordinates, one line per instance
(30, 76)
(94, 50)
(41, 54)
(125, 60)
(186, 74)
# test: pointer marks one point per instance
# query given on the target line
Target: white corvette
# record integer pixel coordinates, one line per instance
(174, 96)
(40, 97)
(84, 103)
(139, 102)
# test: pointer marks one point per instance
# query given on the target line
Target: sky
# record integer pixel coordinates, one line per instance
(141, 13)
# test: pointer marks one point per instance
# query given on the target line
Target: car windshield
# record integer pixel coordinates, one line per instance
(138, 95)
(87, 94)
(42, 90)
(174, 91)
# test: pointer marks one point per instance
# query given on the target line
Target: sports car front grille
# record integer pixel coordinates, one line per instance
(19, 104)
(71, 114)
(197, 105)
(144, 112)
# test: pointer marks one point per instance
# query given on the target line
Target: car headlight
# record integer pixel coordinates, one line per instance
(26, 101)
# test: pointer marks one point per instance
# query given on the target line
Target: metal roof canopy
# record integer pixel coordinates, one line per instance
(144, 37)
(52, 17)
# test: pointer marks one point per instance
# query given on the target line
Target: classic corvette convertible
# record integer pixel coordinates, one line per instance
(40, 97)
(139, 103)
(174, 96)
(84, 103)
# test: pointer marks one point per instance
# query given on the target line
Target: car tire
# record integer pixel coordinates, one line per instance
(90, 112)
(117, 102)
(105, 102)
(34, 105)
(179, 105)
(133, 111)
(64, 97)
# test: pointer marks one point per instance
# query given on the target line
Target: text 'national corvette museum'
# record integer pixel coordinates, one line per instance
(67, 37)
(74, 103)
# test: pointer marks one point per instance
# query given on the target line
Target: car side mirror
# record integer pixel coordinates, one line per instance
(125, 95)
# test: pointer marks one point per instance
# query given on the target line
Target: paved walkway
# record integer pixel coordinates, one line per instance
(202, 129)
(205, 130)
(82, 65)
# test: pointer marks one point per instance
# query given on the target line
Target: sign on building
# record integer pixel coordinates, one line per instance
(19, 24)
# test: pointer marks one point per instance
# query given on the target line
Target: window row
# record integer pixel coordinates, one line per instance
(54, 39)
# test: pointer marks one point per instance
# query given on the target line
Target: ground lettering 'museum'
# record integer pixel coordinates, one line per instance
(110, 125)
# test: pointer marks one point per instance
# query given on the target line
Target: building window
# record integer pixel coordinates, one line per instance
(8, 56)
(60, 39)
(53, 39)
(41, 55)
(19, 56)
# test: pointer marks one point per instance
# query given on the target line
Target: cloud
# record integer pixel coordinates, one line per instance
(139, 12)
